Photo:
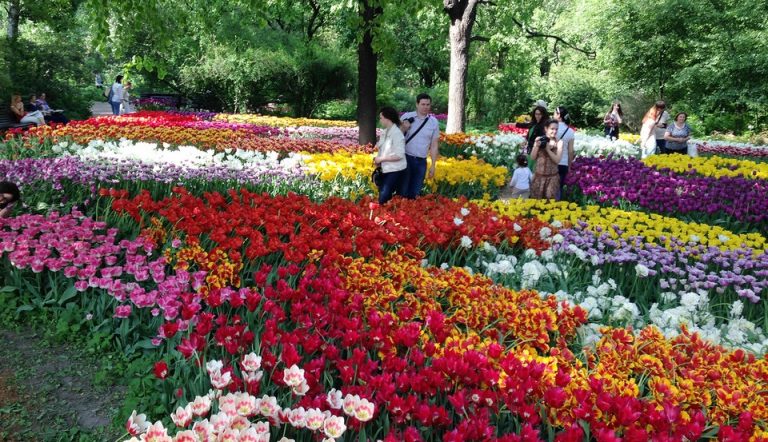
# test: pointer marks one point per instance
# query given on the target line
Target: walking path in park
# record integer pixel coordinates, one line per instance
(101, 108)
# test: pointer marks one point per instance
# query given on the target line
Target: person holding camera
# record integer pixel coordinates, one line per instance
(420, 142)
(391, 156)
(547, 152)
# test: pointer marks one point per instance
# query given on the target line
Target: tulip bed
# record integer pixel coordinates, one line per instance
(732, 149)
(269, 297)
(716, 190)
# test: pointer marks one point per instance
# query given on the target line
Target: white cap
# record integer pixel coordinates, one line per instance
(541, 103)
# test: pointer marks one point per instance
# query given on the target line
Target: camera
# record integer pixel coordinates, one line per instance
(410, 119)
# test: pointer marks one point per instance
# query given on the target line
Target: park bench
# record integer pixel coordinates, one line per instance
(8, 120)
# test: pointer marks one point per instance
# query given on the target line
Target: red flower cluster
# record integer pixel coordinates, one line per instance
(512, 127)
(297, 228)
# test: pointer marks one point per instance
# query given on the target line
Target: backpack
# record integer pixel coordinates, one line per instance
(108, 94)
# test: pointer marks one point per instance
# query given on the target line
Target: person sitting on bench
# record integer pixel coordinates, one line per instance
(17, 107)
(51, 115)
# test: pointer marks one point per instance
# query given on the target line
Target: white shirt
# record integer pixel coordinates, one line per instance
(117, 92)
(663, 120)
(419, 145)
(521, 178)
(392, 142)
(565, 134)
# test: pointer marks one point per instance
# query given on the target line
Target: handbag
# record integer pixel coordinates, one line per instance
(377, 176)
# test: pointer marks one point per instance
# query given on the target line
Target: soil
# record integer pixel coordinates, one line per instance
(47, 393)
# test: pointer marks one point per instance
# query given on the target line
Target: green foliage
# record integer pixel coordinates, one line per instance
(579, 94)
(707, 57)
(242, 54)
(403, 96)
(51, 64)
(337, 110)
(280, 69)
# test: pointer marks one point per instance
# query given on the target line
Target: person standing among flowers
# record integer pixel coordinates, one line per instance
(9, 196)
(420, 142)
(662, 118)
(539, 116)
(612, 121)
(127, 105)
(565, 142)
(648, 132)
(547, 152)
(391, 156)
(678, 134)
(521, 178)
(116, 95)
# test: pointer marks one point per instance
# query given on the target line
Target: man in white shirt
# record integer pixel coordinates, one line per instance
(661, 126)
(116, 95)
(421, 141)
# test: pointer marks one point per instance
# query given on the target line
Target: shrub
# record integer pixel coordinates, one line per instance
(51, 64)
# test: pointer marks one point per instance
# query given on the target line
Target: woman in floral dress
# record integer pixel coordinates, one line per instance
(547, 152)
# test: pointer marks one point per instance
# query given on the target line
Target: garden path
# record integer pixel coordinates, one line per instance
(47, 393)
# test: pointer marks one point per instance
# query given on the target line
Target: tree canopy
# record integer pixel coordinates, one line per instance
(345, 59)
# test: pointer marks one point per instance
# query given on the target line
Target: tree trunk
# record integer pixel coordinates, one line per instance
(462, 14)
(14, 13)
(367, 73)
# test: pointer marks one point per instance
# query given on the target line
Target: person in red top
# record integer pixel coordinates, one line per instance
(17, 107)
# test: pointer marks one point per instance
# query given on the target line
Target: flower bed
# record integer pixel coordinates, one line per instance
(269, 307)
(716, 167)
(740, 201)
(471, 177)
(732, 149)
(180, 129)
(263, 120)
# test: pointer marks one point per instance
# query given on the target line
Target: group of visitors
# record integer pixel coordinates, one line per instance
(36, 111)
(119, 96)
(550, 146)
(403, 148)
(658, 136)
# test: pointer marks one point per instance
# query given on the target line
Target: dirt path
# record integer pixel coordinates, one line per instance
(47, 393)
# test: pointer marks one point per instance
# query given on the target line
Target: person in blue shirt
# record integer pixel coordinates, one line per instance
(421, 141)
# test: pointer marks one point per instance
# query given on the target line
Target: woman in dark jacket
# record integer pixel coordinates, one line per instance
(539, 116)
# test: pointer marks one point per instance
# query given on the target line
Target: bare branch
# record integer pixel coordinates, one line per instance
(532, 33)
(479, 38)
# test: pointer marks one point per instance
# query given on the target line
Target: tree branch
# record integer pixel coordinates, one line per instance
(316, 20)
(532, 33)
(479, 38)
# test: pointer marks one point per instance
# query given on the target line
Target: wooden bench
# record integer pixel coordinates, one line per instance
(8, 120)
